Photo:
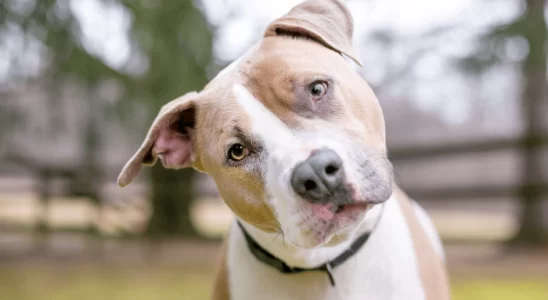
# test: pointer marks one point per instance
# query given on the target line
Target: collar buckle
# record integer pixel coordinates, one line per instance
(329, 271)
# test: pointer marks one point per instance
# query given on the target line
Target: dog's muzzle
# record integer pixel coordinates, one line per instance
(320, 178)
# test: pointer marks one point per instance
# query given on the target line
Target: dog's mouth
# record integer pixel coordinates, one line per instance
(349, 208)
(331, 219)
(333, 212)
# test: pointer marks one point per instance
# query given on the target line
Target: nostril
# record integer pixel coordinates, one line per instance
(319, 177)
(330, 170)
(310, 185)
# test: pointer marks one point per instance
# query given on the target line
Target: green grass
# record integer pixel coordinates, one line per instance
(92, 283)
(183, 282)
(501, 289)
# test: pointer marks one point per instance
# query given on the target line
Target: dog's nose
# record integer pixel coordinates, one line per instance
(319, 176)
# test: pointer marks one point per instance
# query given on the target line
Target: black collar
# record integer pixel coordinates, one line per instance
(266, 257)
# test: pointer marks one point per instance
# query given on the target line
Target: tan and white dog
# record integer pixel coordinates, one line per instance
(295, 141)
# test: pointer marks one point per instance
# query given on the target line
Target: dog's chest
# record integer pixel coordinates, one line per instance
(384, 269)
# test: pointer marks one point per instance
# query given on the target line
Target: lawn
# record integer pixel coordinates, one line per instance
(534, 288)
(34, 282)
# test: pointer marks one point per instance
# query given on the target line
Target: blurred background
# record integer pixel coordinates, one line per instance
(463, 86)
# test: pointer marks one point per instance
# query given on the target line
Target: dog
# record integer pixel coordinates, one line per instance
(295, 141)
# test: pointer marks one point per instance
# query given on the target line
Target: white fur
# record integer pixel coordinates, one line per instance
(284, 151)
(273, 132)
(308, 258)
(429, 229)
(385, 268)
(286, 148)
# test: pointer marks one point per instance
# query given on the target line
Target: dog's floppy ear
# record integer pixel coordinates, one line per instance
(170, 137)
(326, 21)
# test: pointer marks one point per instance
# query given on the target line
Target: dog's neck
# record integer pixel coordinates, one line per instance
(308, 258)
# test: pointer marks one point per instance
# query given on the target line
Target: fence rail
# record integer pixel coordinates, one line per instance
(470, 192)
(428, 152)
(474, 192)
(397, 155)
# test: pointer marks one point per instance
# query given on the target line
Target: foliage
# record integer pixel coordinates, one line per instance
(530, 30)
(170, 49)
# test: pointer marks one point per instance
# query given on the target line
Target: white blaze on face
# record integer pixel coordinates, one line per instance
(283, 149)
(265, 124)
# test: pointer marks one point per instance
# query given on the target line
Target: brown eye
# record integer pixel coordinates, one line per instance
(318, 89)
(237, 152)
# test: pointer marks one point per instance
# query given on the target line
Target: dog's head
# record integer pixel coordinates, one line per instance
(293, 137)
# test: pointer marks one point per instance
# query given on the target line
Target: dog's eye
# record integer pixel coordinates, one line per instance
(318, 89)
(237, 152)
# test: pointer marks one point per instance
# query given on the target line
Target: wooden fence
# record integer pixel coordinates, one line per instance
(479, 191)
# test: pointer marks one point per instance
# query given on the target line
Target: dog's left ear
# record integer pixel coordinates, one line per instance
(326, 21)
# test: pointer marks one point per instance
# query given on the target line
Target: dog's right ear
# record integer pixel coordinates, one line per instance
(170, 138)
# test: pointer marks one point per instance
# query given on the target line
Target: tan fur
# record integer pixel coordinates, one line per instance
(221, 288)
(275, 78)
(143, 156)
(431, 267)
(276, 72)
(242, 191)
(272, 76)
(326, 21)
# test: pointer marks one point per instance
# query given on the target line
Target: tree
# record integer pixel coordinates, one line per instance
(176, 38)
(173, 39)
(530, 32)
(532, 26)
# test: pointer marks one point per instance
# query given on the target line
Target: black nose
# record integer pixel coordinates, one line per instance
(318, 177)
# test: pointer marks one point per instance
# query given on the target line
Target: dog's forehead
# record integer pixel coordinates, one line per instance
(259, 87)
(241, 86)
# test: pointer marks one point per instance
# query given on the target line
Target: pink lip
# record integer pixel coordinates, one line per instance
(354, 207)
(325, 211)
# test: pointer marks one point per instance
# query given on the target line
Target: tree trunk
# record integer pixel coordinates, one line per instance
(179, 50)
(171, 202)
(533, 230)
(89, 177)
